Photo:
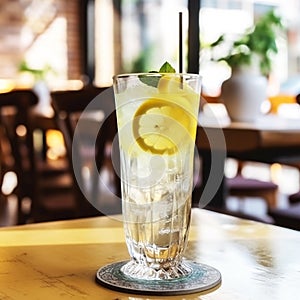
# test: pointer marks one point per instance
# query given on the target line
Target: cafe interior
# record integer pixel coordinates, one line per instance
(53, 50)
(60, 176)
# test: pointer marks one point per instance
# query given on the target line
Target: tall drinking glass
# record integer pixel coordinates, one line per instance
(157, 122)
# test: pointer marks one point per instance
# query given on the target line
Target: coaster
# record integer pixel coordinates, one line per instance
(202, 278)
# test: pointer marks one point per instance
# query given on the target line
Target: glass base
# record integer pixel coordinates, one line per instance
(200, 278)
(139, 271)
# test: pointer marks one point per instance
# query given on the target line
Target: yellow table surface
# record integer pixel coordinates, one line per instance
(58, 260)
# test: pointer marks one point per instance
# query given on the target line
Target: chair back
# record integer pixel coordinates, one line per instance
(298, 99)
(88, 140)
(17, 139)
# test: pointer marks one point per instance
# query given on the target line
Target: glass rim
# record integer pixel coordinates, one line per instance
(128, 75)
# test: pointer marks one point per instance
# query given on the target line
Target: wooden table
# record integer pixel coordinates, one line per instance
(270, 139)
(59, 260)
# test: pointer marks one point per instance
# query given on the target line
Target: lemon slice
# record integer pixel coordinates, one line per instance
(160, 126)
(169, 83)
(173, 88)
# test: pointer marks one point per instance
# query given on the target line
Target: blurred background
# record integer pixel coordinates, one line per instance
(68, 44)
(95, 39)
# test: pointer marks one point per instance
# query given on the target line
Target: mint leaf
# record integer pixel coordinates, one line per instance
(153, 80)
(167, 68)
(150, 80)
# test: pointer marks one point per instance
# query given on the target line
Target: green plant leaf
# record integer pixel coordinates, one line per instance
(153, 80)
(259, 40)
(219, 41)
(166, 68)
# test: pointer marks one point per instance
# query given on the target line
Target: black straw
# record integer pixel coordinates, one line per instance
(180, 44)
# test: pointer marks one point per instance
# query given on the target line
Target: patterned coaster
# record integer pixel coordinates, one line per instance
(201, 278)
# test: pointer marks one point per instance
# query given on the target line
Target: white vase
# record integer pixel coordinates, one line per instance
(243, 94)
(44, 104)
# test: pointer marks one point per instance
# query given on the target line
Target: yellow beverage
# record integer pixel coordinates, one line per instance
(157, 121)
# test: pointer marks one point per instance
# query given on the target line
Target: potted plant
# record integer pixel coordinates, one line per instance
(40, 87)
(250, 58)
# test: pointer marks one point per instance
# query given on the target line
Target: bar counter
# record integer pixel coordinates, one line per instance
(59, 260)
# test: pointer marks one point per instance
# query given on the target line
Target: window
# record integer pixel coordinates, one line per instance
(234, 17)
(138, 36)
(45, 35)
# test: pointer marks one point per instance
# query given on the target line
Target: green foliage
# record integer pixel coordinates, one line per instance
(166, 68)
(153, 80)
(260, 40)
(38, 74)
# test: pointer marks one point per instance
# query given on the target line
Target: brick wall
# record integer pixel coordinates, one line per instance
(15, 15)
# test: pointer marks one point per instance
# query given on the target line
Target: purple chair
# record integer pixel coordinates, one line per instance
(287, 217)
(240, 186)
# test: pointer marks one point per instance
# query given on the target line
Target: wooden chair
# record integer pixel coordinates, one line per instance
(242, 187)
(15, 122)
(85, 145)
(37, 178)
(54, 199)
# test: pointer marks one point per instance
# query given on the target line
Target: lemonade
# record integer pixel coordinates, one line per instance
(157, 121)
